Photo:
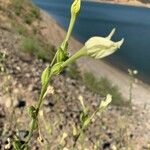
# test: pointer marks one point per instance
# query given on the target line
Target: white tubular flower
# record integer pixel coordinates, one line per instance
(99, 47)
(96, 47)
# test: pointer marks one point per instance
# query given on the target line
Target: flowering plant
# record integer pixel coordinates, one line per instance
(95, 47)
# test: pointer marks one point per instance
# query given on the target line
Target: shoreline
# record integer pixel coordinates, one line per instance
(127, 3)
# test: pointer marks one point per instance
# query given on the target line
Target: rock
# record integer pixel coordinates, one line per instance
(49, 102)
(2, 113)
(19, 103)
(23, 134)
(8, 102)
(106, 145)
(8, 145)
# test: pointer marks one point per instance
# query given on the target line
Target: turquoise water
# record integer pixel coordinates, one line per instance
(132, 23)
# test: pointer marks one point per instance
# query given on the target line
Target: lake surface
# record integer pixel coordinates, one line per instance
(132, 23)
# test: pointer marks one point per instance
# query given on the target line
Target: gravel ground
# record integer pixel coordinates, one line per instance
(20, 86)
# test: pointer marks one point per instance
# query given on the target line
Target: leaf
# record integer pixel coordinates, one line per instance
(34, 124)
(61, 56)
(45, 75)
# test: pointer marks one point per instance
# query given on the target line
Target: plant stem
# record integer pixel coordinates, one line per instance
(52, 62)
(44, 88)
(130, 93)
(78, 136)
(83, 128)
(34, 120)
(71, 25)
(78, 54)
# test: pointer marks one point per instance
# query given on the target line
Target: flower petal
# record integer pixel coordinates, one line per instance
(111, 33)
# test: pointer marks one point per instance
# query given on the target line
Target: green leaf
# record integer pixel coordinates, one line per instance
(60, 55)
(34, 124)
(45, 75)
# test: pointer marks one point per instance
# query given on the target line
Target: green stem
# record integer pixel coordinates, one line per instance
(71, 25)
(78, 54)
(78, 136)
(130, 93)
(39, 105)
(82, 130)
(52, 62)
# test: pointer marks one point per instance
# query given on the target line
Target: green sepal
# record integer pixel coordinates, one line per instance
(32, 112)
(86, 122)
(17, 145)
(64, 46)
(57, 68)
(60, 55)
(84, 116)
(64, 49)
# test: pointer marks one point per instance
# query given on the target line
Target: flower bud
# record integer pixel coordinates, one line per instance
(75, 7)
(56, 69)
(99, 47)
(62, 54)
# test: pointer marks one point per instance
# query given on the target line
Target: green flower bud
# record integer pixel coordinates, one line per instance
(99, 47)
(75, 7)
(56, 69)
(61, 55)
